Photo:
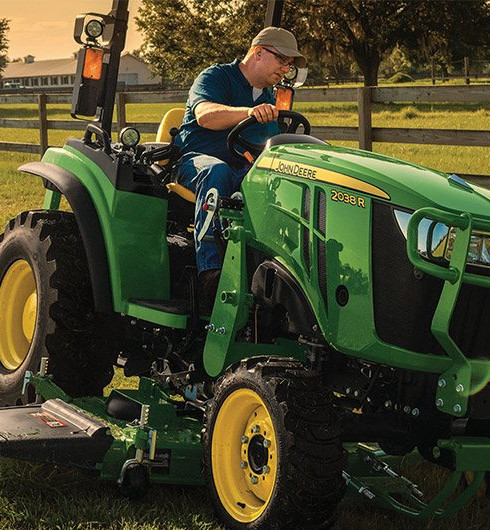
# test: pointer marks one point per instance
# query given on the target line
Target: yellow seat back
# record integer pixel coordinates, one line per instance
(172, 118)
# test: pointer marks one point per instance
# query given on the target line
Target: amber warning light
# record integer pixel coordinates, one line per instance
(92, 67)
(284, 97)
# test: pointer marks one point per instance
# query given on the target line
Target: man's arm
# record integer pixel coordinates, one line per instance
(217, 117)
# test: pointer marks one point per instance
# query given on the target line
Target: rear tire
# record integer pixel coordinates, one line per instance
(44, 268)
(272, 452)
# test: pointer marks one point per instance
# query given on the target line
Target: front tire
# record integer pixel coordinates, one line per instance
(273, 457)
(46, 308)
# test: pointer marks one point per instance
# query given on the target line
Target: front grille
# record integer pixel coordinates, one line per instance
(305, 230)
(322, 270)
(404, 305)
(306, 203)
(321, 217)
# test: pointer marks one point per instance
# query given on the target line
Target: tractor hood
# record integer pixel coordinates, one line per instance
(399, 182)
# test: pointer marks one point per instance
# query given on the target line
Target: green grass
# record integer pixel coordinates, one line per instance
(42, 496)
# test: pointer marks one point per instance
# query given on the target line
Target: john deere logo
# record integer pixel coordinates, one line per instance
(288, 167)
(296, 169)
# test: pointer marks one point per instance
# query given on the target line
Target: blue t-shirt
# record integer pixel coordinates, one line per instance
(225, 84)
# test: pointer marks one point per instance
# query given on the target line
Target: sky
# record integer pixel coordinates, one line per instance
(44, 28)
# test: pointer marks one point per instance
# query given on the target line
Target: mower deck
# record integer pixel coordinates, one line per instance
(54, 432)
(144, 427)
(149, 430)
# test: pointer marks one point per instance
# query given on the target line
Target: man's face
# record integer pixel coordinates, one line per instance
(274, 65)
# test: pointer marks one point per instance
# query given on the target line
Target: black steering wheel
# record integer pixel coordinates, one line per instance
(235, 138)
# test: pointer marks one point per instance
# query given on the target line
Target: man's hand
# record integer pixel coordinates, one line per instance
(264, 113)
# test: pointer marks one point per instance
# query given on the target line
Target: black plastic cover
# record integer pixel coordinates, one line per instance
(273, 285)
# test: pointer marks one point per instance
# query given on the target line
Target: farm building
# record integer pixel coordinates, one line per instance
(30, 73)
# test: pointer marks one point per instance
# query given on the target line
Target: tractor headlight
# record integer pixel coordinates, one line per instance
(479, 249)
(436, 241)
(94, 29)
(129, 137)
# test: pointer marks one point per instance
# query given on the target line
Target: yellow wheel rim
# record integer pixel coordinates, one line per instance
(18, 310)
(244, 455)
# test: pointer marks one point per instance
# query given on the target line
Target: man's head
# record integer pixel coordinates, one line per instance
(282, 41)
(271, 55)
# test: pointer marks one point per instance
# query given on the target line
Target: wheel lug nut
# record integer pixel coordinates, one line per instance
(254, 479)
(266, 443)
(243, 464)
(255, 428)
(266, 469)
(244, 439)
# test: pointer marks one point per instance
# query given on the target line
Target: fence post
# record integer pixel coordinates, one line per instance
(121, 111)
(364, 113)
(43, 124)
(467, 70)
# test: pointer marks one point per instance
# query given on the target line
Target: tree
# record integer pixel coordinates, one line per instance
(181, 37)
(369, 30)
(184, 36)
(463, 30)
(4, 27)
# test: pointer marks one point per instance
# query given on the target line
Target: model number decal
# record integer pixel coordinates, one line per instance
(347, 198)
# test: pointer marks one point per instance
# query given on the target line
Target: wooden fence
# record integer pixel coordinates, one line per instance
(365, 134)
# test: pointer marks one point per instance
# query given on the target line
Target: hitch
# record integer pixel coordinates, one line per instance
(370, 476)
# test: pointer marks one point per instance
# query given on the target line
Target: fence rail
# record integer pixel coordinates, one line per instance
(365, 134)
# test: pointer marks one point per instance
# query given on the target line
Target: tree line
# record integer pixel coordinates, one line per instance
(339, 37)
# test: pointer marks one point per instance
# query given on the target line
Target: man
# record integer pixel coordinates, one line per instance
(222, 96)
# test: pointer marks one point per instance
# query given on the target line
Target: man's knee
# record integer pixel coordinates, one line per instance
(217, 175)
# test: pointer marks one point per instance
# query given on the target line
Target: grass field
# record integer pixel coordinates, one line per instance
(41, 496)
(38, 496)
(470, 160)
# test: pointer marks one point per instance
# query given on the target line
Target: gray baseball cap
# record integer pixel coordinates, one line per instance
(283, 41)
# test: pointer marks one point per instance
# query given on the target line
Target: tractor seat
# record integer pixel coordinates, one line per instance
(173, 118)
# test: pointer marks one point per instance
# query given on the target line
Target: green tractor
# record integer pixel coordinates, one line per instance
(349, 327)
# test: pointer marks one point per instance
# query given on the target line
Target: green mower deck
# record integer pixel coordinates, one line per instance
(143, 427)
(142, 436)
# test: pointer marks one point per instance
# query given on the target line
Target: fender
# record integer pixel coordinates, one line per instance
(65, 182)
(274, 285)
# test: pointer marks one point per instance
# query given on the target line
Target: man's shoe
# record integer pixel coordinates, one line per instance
(208, 286)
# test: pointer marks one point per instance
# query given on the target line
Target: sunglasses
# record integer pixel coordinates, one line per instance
(283, 60)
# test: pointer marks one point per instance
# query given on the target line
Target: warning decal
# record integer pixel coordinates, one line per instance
(49, 420)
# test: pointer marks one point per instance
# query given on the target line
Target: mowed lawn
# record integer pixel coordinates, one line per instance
(42, 496)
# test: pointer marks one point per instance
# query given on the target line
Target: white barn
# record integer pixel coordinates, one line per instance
(30, 73)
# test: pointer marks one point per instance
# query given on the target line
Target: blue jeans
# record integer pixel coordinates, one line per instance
(200, 173)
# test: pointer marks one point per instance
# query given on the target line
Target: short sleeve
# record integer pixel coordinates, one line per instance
(210, 85)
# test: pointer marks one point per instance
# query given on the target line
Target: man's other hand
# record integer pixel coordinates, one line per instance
(264, 113)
